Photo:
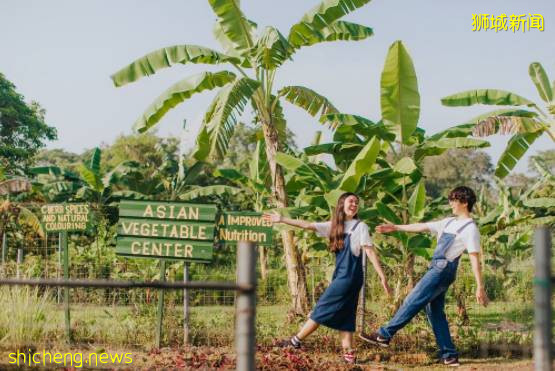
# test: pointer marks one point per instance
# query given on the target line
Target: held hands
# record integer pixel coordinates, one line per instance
(386, 228)
(482, 297)
(272, 217)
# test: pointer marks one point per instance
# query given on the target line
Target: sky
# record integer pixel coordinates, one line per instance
(61, 53)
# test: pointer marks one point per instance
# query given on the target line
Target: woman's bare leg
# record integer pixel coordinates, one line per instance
(346, 340)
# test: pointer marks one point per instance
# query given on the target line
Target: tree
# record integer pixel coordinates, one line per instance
(263, 53)
(524, 125)
(57, 157)
(457, 167)
(546, 158)
(22, 128)
(144, 149)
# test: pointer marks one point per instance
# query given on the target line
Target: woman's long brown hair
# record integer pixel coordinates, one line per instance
(337, 223)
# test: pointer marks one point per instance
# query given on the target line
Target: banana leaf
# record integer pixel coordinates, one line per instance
(272, 49)
(516, 148)
(179, 92)
(167, 57)
(486, 96)
(234, 25)
(321, 16)
(338, 30)
(307, 99)
(360, 166)
(539, 77)
(399, 97)
(221, 117)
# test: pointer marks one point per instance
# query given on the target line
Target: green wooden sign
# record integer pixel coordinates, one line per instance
(165, 248)
(244, 226)
(65, 217)
(166, 230)
(167, 210)
(184, 230)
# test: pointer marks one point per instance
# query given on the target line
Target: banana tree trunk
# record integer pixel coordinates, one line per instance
(296, 276)
(462, 313)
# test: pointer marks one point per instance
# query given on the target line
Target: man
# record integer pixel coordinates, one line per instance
(454, 235)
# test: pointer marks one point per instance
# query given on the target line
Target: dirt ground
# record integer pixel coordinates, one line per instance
(268, 358)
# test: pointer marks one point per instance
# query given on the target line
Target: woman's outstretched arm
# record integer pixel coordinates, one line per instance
(417, 227)
(276, 218)
(371, 253)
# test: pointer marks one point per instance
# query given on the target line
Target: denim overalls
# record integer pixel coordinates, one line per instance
(429, 293)
(337, 306)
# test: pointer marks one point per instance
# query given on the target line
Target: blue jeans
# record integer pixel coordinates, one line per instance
(428, 293)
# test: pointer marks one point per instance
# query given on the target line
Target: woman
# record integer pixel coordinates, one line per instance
(336, 308)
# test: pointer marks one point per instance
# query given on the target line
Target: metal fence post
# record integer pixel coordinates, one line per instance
(4, 247)
(245, 307)
(542, 294)
(185, 305)
(19, 260)
(362, 303)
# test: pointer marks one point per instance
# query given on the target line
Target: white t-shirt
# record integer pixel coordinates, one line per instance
(359, 237)
(468, 239)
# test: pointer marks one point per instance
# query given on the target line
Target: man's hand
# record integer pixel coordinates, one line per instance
(272, 217)
(386, 228)
(482, 297)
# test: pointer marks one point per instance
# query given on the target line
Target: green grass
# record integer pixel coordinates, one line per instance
(134, 326)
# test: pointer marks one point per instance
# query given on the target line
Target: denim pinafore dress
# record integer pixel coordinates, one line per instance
(337, 306)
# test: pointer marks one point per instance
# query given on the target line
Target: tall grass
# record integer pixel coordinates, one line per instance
(25, 316)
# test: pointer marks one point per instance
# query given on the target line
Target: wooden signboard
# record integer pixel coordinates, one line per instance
(244, 226)
(166, 230)
(167, 210)
(165, 248)
(65, 217)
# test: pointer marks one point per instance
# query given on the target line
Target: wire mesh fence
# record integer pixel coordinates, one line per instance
(126, 317)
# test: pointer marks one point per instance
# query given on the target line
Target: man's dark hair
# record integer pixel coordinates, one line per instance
(464, 195)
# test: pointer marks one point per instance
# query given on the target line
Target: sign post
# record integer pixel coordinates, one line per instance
(160, 315)
(65, 218)
(66, 289)
(167, 230)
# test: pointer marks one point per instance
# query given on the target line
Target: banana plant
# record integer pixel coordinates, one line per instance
(91, 183)
(522, 118)
(398, 128)
(519, 211)
(393, 181)
(255, 56)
